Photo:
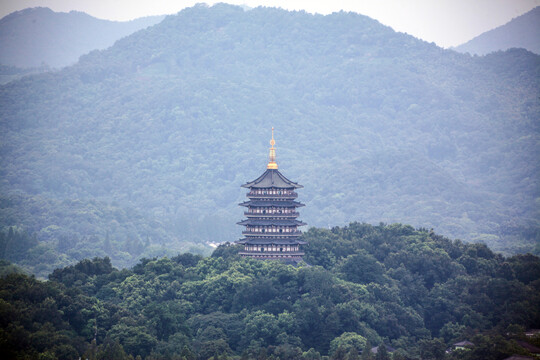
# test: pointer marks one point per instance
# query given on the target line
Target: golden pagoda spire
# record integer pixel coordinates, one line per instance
(272, 163)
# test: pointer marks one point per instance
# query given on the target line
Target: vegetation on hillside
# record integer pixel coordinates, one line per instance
(147, 142)
(413, 290)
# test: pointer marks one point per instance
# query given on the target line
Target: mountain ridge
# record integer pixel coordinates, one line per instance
(39, 36)
(378, 126)
(521, 32)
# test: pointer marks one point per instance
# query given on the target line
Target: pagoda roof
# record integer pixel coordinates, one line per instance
(272, 178)
(278, 203)
(261, 241)
(271, 222)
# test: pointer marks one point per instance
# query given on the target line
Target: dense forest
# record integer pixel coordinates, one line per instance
(139, 150)
(409, 291)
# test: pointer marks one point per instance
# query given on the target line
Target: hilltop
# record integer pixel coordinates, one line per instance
(521, 32)
(414, 290)
(37, 37)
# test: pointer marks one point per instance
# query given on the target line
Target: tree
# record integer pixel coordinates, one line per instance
(432, 349)
(311, 354)
(346, 342)
(187, 354)
(111, 350)
(382, 353)
(353, 354)
(362, 268)
(262, 327)
(366, 352)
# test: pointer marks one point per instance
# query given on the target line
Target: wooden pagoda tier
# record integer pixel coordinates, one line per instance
(272, 230)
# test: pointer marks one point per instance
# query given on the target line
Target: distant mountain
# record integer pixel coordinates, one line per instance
(39, 36)
(146, 143)
(10, 73)
(521, 32)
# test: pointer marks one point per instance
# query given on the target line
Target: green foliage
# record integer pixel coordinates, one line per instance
(382, 353)
(432, 349)
(362, 268)
(44, 319)
(189, 307)
(113, 156)
(489, 348)
(346, 342)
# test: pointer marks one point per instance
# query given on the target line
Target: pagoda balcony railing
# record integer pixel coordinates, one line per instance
(253, 195)
(271, 216)
(272, 253)
(268, 233)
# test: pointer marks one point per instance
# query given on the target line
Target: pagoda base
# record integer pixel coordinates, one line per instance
(295, 256)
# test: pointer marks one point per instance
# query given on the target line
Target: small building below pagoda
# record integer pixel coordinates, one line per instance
(271, 228)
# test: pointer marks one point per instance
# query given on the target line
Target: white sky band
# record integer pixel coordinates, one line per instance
(445, 22)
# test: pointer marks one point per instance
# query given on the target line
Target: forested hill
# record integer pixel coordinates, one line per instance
(521, 32)
(144, 146)
(36, 37)
(413, 290)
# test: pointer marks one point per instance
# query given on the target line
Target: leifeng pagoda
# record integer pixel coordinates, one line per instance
(271, 226)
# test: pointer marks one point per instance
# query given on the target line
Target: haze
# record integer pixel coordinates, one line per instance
(446, 22)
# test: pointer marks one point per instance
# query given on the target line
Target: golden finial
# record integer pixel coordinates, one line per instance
(272, 163)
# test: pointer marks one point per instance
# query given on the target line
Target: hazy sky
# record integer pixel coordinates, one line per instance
(445, 22)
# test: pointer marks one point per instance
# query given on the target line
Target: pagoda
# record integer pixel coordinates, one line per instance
(271, 227)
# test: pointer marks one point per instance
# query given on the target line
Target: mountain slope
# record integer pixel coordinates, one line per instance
(378, 126)
(521, 32)
(37, 36)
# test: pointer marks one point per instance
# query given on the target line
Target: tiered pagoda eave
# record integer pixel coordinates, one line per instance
(272, 229)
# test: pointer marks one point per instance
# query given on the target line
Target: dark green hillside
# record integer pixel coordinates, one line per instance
(411, 289)
(377, 125)
(126, 235)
